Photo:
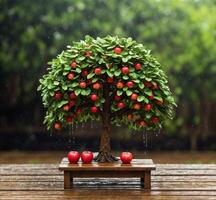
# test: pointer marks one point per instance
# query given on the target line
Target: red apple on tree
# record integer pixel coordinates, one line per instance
(155, 120)
(117, 98)
(147, 84)
(85, 73)
(69, 119)
(70, 76)
(94, 97)
(138, 66)
(125, 70)
(126, 157)
(130, 84)
(151, 97)
(88, 53)
(72, 95)
(142, 123)
(120, 85)
(96, 86)
(121, 105)
(117, 50)
(159, 102)
(147, 107)
(134, 96)
(78, 111)
(66, 107)
(73, 157)
(73, 64)
(155, 86)
(130, 116)
(58, 95)
(58, 125)
(87, 157)
(82, 84)
(72, 103)
(94, 109)
(137, 106)
(97, 71)
(110, 80)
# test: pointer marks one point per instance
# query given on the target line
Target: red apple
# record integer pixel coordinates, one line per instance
(138, 66)
(125, 70)
(72, 103)
(151, 97)
(137, 106)
(88, 53)
(73, 64)
(94, 97)
(58, 125)
(94, 109)
(82, 84)
(70, 76)
(73, 157)
(147, 84)
(69, 119)
(126, 157)
(120, 85)
(72, 95)
(85, 72)
(130, 116)
(121, 105)
(155, 86)
(78, 111)
(117, 98)
(66, 107)
(159, 102)
(87, 156)
(147, 107)
(96, 86)
(97, 71)
(143, 123)
(110, 80)
(134, 96)
(130, 84)
(117, 50)
(89, 81)
(58, 95)
(155, 120)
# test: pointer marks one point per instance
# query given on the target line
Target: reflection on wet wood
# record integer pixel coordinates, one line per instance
(169, 182)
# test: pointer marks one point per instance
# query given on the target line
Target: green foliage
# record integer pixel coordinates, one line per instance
(99, 54)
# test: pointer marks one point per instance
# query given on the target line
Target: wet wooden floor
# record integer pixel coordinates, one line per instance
(169, 182)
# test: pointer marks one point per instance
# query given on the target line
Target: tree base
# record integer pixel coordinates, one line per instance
(105, 157)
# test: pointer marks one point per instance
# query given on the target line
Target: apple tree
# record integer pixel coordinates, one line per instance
(115, 80)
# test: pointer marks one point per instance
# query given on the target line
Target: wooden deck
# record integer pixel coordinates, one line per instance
(169, 182)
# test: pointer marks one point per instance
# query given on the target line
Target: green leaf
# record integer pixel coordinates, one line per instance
(129, 93)
(77, 91)
(141, 85)
(78, 70)
(148, 92)
(158, 98)
(109, 73)
(74, 84)
(117, 72)
(56, 83)
(125, 77)
(140, 98)
(64, 87)
(61, 103)
(119, 92)
(83, 92)
(90, 75)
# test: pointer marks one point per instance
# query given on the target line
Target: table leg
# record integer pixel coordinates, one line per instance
(147, 180)
(67, 180)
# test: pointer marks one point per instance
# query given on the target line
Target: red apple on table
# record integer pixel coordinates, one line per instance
(96, 86)
(134, 96)
(125, 70)
(87, 156)
(117, 50)
(94, 109)
(147, 107)
(70, 76)
(94, 97)
(73, 65)
(120, 85)
(138, 66)
(58, 125)
(82, 84)
(97, 71)
(130, 84)
(126, 157)
(73, 157)
(58, 95)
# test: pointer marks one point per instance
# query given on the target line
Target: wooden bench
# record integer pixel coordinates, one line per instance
(169, 182)
(138, 168)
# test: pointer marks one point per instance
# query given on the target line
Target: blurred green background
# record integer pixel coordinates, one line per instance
(180, 33)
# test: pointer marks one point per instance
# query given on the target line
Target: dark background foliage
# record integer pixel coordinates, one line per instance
(181, 35)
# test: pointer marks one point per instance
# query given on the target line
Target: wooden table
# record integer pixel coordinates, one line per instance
(138, 168)
(169, 182)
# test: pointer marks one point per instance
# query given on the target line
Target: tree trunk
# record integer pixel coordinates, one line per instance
(104, 154)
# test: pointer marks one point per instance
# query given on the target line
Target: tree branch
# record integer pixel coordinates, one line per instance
(120, 112)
